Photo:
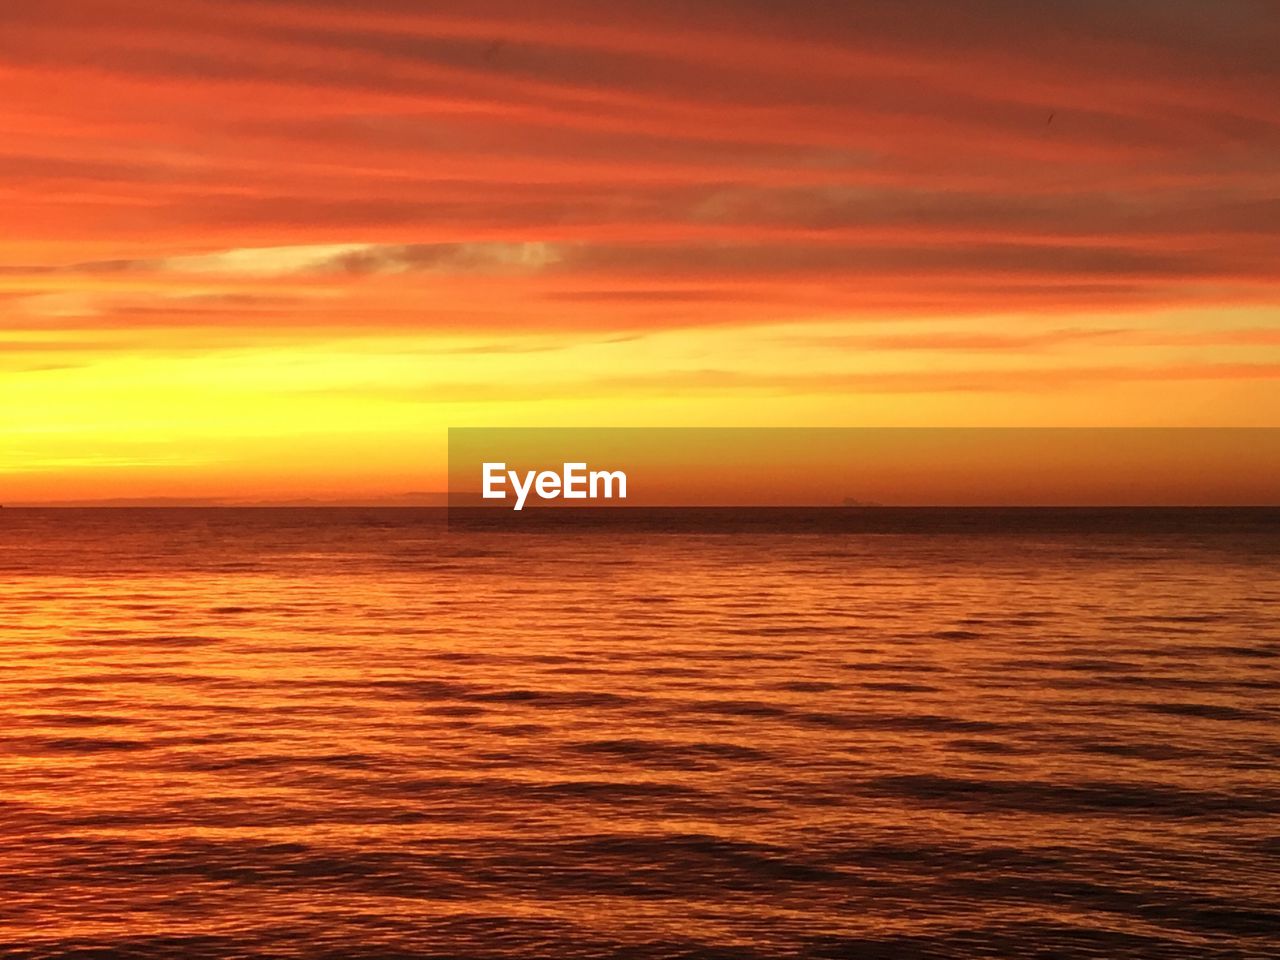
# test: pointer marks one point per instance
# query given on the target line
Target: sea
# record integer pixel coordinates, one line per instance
(888, 734)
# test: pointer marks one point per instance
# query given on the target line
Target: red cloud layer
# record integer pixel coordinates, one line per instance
(683, 164)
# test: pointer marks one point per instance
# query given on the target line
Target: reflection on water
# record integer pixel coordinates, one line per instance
(330, 734)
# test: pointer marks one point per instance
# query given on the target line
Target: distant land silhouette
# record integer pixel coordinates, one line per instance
(412, 499)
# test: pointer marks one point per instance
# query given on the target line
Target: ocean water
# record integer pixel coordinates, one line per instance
(833, 734)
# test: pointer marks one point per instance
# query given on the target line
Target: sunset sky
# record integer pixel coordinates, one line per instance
(260, 248)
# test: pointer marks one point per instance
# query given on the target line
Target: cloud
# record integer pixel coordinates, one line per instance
(712, 382)
(957, 341)
(280, 173)
(323, 259)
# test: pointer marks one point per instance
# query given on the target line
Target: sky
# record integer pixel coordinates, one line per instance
(262, 248)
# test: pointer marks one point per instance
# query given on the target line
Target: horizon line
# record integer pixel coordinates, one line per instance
(304, 503)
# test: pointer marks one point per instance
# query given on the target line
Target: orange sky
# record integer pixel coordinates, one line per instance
(261, 248)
